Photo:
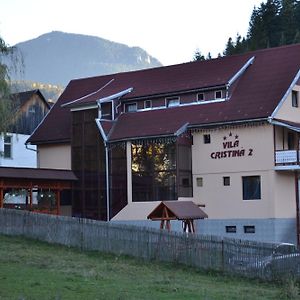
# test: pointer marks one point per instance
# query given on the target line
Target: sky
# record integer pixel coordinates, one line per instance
(169, 30)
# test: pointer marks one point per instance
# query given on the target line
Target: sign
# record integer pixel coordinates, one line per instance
(231, 148)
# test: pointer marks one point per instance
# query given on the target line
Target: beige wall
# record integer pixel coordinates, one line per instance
(287, 111)
(224, 202)
(284, 194)
(56, 156)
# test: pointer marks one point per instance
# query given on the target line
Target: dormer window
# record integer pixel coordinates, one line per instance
(294, 98)
(218, 94)
(106, 111)
(200, 97)
(147, 104)
(171, 102)
(130, 107)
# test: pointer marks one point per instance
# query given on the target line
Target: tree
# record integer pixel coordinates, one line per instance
(7, 107)
(198, 55)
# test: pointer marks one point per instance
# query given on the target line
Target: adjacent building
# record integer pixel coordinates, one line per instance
(223, 133)
(31, 107)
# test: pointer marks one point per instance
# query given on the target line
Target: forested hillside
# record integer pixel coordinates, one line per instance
(274, 23)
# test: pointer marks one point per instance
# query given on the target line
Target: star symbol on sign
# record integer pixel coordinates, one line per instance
(224, 138)
(236, 136)
(230, 133)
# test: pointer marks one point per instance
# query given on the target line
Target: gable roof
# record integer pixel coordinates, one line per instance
(23, 97)
(180, 210)
(255, 94)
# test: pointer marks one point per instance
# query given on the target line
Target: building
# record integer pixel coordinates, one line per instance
(223, 133)
(31, 108)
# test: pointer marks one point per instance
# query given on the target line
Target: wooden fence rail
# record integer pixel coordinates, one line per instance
(254, 259)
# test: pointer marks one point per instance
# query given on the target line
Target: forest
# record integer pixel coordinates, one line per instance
(274, 23)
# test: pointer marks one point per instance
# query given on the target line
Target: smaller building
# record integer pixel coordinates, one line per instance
(31, 107)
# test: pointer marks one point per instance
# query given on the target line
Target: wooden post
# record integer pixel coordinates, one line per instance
(30, 198)
(57, 196)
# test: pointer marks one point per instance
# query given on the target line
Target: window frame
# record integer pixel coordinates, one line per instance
(127, 105)
(249, 229)
(206, 138)
(295, 98)
(147, 101)
(250, 195)
(203, 98)
(10, 144)
(217, 98)
(169, 99)
(226, 181)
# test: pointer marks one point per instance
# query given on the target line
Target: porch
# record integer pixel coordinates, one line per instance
(37, 190)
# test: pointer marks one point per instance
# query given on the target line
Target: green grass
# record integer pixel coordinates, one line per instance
(35, 270)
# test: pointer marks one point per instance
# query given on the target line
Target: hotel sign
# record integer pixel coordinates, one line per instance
(231, 148)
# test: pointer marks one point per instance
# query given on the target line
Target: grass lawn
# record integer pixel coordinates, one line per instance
(35, 270)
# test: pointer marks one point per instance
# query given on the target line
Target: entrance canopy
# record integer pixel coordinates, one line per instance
(186, 211)
(30, 179)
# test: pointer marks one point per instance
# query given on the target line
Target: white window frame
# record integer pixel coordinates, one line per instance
(198, 100)
(295, 95)
(219, 91)
(169, 99)
(150, 101)
(10, 143)
(127, 105)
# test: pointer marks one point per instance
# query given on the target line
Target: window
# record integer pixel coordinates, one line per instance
(249, 229)
(206, 138)
(226, 181)
(130, 107)
(199, 181)
(251, 187)
(171, 102)
(291, 140)
(230, 229)
(218, 95)
(200, 97)
(148, 104)
(106, 110)
(7, 146)
(294, 98)
(154, 172)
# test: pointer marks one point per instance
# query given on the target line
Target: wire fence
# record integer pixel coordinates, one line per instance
(248, 258)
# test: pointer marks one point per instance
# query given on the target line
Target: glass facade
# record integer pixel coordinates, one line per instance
(160, 171)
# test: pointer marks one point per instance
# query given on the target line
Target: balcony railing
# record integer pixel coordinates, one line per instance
(287, 157)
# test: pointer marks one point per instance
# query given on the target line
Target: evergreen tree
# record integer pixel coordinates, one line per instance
(274, 23)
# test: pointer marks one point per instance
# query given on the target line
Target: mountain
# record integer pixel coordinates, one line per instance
(58, 57)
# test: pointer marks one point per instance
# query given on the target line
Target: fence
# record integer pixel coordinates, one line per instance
(248, 258)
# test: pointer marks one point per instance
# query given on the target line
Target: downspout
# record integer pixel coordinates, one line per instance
(107, 182)
(297, 208)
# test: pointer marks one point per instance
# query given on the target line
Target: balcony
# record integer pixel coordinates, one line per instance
(287, 160)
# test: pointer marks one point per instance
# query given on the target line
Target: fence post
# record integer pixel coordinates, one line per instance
(223, 262)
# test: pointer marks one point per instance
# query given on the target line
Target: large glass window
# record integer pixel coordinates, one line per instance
(154, 172)
(251, 188)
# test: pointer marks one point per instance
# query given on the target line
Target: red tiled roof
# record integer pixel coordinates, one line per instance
(256, 94)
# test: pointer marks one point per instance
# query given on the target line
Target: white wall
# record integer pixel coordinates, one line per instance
(21, 157)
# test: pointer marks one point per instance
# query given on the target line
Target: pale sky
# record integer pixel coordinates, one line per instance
(170, 30)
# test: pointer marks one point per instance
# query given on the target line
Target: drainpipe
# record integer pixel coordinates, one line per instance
(297, 208)
(107, 181)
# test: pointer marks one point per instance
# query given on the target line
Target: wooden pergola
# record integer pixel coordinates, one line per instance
(31, 179)
(186, 211)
